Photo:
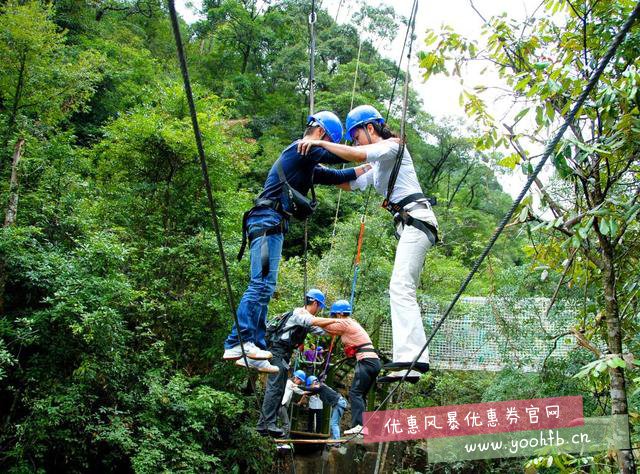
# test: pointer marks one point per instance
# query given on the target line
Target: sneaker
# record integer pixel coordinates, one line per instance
(253, 352)
(275, 432)
(412, 376)
(358, 429)
(285, 447)
(259, 365)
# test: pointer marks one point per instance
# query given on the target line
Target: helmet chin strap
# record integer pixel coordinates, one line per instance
(366, 132)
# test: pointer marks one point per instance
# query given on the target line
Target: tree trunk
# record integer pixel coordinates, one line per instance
(12, 207)
(12, 210)
(618, 389)
(17, 95)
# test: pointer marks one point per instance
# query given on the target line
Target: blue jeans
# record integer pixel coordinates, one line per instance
(252, 310)
(336, 415)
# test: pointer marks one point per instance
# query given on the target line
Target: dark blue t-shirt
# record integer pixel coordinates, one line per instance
(301, 171)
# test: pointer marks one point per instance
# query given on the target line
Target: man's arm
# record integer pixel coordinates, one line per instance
(322, 175)
(362, 181)
(381, 150)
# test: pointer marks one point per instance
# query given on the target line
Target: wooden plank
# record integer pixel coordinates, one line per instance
(311, 441)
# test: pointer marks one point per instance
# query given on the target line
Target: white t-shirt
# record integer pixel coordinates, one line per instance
(315, 403)
(382, 156)
(301, 317)
(288, 392)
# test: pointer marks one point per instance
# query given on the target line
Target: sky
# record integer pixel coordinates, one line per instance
(440, 94)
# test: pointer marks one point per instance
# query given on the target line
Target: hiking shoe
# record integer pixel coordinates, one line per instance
(260, 365)
(253, 352)
(412, 376)
(358, 429)
(421, 367)
(275, 432)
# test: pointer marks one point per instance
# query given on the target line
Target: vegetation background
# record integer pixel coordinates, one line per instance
(111, 300)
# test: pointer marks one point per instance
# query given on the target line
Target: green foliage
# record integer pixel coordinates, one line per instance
(114, 307)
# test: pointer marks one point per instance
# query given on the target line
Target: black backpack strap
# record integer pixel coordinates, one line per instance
(264, 247)
(394, 174)
(283, 179)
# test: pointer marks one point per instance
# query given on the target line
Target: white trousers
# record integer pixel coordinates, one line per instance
(406, 319)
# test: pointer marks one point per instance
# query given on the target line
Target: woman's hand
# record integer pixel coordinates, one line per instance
(362, 169)
(304, 145)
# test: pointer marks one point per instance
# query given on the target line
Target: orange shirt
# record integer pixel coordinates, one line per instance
(351, 332)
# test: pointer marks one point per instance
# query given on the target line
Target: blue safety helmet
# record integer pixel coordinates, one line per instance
(301, 375)
(330, 123)
(316, 295)
(341, 306)
(362, 115)
(311, 379)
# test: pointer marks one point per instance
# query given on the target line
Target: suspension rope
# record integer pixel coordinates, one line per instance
(327, 362)
(312, 56)
(356, 264)
(353, 95)
(507, 217)
(207, 183)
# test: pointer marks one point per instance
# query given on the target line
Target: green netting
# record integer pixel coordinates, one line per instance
(492, 333)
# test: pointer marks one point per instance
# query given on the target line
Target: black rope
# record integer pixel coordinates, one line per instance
(414, 9)
(312, 57)
(507, 217)
(207, 183)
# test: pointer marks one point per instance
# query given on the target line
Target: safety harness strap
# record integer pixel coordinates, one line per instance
(279, 228)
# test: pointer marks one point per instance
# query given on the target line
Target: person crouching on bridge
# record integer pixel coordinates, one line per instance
(357, 343)
(329, 398)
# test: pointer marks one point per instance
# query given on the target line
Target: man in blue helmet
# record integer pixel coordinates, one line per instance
(264, 225)
(416, 228)
(284, 333)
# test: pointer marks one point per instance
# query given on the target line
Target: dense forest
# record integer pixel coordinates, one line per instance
(112, 303)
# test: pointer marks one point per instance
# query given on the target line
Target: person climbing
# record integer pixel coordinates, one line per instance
(299, 378)
(330, 398)
(313, 354)
(357, 343)
(264, 225)
(283, 335)
(416, 227)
